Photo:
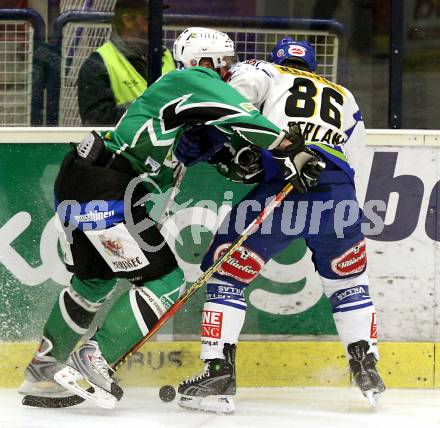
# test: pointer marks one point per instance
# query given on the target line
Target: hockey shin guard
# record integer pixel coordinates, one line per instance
(222, 318)
(353, 310)
(135, 312)
(73, 313)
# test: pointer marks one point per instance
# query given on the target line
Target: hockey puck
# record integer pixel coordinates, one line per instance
(167, 393)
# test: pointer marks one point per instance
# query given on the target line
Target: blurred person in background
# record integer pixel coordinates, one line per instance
(117, 72)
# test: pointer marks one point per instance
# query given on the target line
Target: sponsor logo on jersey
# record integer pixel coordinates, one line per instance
(153, 164)
(126, 263)
(248, 107)
(152, 301)
(212, 322)
(224, 292)
(352, 261)
(342, 295)
(113, 246)
(243, 264)
(94, 216)
(296, 50)
(373, 328)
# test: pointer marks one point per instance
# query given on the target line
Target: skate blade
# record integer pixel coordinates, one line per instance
(223, 404)
(43, 389)
(373, 398)
(68, 378)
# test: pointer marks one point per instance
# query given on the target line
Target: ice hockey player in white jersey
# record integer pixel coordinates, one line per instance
(288, 90)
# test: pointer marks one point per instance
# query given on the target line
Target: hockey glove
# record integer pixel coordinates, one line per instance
(91, 147)
(293, 159)
(246, 166)
(311, 171)
(199, 143)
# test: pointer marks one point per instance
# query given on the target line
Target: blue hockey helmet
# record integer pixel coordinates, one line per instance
(300, 50)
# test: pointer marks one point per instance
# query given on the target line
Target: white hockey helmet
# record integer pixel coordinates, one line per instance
(196, 43)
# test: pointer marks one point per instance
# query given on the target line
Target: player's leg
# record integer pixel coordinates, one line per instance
(158, 282)
(341, 263)
(70, 317)
(135, 312)
(225, 306)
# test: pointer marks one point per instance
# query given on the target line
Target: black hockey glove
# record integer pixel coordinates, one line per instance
(246, 166)
(242, 166)
(91, 147)
(312, 170)
(299, 165)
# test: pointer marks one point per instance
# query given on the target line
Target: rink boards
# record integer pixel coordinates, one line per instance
(287, 313)
(265, 364)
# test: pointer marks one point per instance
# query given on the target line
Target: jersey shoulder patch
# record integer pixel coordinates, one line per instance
(251, 68)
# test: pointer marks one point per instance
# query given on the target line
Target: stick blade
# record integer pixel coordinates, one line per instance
(51, 402)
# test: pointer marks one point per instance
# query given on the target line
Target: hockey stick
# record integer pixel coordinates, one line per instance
(34, 401)
(73, 400)
(253, 226)
(179, 174)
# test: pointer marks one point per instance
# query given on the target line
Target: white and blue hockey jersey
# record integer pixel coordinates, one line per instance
(328, 114)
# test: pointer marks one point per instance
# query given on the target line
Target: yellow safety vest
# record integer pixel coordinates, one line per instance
(126, 83)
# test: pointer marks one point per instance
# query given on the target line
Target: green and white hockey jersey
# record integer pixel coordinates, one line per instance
(145, 135)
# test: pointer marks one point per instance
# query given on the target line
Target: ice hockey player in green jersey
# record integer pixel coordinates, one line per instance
(98, 241)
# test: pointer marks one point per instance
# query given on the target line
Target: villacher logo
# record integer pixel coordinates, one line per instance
(352, 261)
(243, 264)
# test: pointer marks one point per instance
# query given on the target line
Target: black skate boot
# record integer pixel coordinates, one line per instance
(213, 389)
(363, 368)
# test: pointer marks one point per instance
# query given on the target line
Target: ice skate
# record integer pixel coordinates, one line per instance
(365, 374)
(87, 364)
(214, 388)
(38, 376)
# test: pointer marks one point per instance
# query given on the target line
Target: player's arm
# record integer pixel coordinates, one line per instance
(297, 164)
(251, 82)
(354, 129)
(288, 147)
(225, 112)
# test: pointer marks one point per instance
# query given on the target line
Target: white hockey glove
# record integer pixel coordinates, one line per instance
(299, 165)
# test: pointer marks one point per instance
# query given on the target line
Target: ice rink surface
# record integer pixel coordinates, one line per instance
(265, 407)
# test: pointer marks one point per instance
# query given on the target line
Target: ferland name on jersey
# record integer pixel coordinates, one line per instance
(314, 133)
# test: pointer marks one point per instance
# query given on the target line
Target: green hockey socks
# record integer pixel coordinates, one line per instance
(135, 312)
(73, 313)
